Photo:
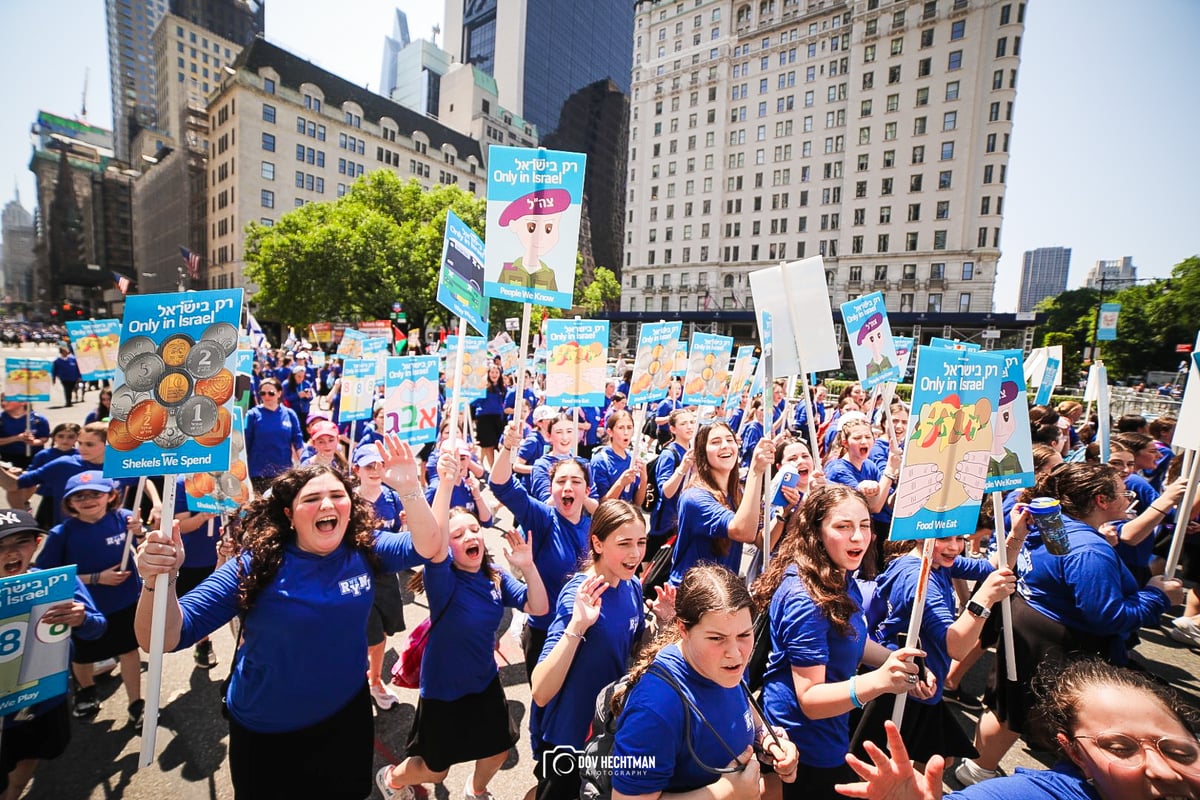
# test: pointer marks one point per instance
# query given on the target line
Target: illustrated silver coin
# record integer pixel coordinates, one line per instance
(171, 437)
(123, 400)
(134, 346)
(237, 443)
(197, 416)
(223, 334)
(205, 359)
(228, 483)
(143, 371)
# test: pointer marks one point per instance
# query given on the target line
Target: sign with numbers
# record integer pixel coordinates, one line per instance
(358, 389)
(33, 656)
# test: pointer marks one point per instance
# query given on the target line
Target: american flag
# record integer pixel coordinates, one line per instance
(122, 282)
(191, 261)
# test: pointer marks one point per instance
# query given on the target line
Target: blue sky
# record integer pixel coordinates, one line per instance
(1104, 159)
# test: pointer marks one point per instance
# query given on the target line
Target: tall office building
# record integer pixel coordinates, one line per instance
(1043, 274)
(873, 133)
(16, 255)
(1112, 275)
(284, 132)
(131, 25)
(392, 45)
(542, 54)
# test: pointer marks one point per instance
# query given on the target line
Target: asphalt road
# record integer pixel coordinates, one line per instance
(190, 750)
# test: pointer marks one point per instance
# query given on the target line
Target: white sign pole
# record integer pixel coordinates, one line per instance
(914, 622)
(518, 402)
(157, 636)
(456, 393)
(1010, 655)
(1183, 512)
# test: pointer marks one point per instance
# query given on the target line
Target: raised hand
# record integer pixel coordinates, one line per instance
(893, 777)
(663, 604)
(587, 604)
(518, 551)
(400, 464)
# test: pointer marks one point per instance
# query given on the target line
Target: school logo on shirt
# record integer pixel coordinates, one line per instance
(633, 623)
(356, 585)
(118, 540)
(496, 594)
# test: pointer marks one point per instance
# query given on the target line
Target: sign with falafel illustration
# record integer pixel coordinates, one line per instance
(1011, 464)
(943, 477)
(95, 343)
(476, 361)
(173, 395)
(653, 362)
(871, 344)
(27, 380)
(577, 361)
(533, 209)
(215, 492)
(707, 378)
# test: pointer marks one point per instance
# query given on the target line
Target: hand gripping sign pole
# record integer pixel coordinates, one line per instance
(157, 636)
(914, 622)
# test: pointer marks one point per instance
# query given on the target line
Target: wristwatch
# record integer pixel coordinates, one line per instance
(978, 611)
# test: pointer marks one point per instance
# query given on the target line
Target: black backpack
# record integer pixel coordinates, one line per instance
(651, 500)
(659, 570)
(756, 667)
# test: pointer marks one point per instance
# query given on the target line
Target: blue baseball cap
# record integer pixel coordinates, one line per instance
(91, 481)
(367, 454)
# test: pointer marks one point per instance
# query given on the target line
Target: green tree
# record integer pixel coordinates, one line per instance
(1175, 313)
(603, 293)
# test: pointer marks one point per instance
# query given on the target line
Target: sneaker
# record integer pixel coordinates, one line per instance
(962, 699)
(485, 796)
(390, 792)
(204, 656)
(86, 702)
(1185, 631)
(969, 773)
(382, 697)
(137, 713)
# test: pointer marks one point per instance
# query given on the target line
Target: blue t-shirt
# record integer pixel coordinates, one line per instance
(666, 512)
(558, 544)
(539, 477)
(600, 659)
(491, 404)
(66, 369)
(15, 426)
(532, 447)
(664, 410)
(199, 546)
(94, 547)
(270, 437)
(607, 467)
(530, 403)
(1063, 782)
(752, 434)
(1089, 589)
(1139, 555)
(460, 654)
(703, 524)
(840, 470)
(370, 435)
(802, 636)
(387, 509)
(52, 478)
(305, 648)
(897, 586)
(800, 419)
(650, 729)
(591, 416)
(44, 457)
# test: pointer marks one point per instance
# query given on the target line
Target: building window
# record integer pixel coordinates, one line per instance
(939, 240)
(935, 303)
(268, 142)
(947, 151)
(268, 85)
(268, 171)
(937, 271)
(943, 209)
(958, 29)
(944, 179)
(910, 243)
(968, 272)
(950, 120)
(964, 302)
(267, 198)
(268, 113)
(954, 61)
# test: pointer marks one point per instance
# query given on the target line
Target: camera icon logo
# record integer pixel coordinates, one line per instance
(562, 760)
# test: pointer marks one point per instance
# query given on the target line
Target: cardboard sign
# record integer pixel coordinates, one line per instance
(95, 344)
(34, 656)
(943, 477)
(27, 380)
(358, 389)
(1049, 381)
(1011, 464)
(904, 348)
(578, 354)
(707, 378)
(351, 344)
(871, 344)
(1035, 365)
(172, 405)
(214, 492)
(953, 344)
(476, 361)
(460, 281)
(535, 199)
(1107, 330)
(654, 361)
(411, 400)
(797, 297)
(739, 381)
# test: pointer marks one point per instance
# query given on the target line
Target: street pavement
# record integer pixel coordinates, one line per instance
(101, 762)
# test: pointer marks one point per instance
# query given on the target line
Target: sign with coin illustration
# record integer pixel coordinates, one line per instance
(653, 362)
(95, 344)
(707, 377)
(175, 381)
(474, 367)
(743, 371)
(215, 492)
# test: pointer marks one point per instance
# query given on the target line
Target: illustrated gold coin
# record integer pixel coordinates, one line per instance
(219, 432)
(175, 349)
(173, 388)
(219, 387)
(146, 420)
(119, 438)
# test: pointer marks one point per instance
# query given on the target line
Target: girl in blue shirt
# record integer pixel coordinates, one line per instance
(671, 471)
(615, 473)
(273, 436)
(298, 392)
(752, 432)
(488, 412)
(702, 658)
(716, 516)
(819, 638)
(459, 679)
(300, 714)
(598, 624)
(93, 538)
(1120, 734)
(558, 530)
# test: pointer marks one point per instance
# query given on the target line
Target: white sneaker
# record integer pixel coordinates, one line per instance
(970, 773)
(485, 796)
(382, 697)
(1184, 630)
(390, 792)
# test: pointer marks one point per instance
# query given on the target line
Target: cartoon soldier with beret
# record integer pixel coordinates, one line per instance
(534, 219)
(871, 333)
(1004, 461)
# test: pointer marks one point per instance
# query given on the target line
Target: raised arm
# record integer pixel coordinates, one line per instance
(402, 473)
(744, 525)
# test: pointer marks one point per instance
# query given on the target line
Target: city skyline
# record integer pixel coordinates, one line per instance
(1104, 179)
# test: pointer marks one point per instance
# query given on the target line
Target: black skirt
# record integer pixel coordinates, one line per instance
(488, 429)
(119, 638)
(927, 730)
(448, 732)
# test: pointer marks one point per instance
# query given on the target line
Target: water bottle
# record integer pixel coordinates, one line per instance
(1047, 520)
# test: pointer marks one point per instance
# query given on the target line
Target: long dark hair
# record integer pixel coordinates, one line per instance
(729, 495)
(1076, 485)
(267, 530)
(705, 588)
(497, 386)
(802, 546)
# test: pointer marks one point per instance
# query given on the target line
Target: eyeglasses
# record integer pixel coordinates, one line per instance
(1128, 751)
(268, 394)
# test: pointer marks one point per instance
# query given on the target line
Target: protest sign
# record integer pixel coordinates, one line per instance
(476, 361)
(1011, 463)
(358, 389)
(1049, 381)
(871, 345)
(95, 343)
(351, 344)
(34, 655)
(228, 491)
(707, 378)
(739, 381)
(797, 297)
(904, 347)
(953, 344)
(460, 280)
(578, 353)
(653, 362)
(27, 380)
(411, 400)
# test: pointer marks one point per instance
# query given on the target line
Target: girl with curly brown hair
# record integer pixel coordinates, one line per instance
(300, 720)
